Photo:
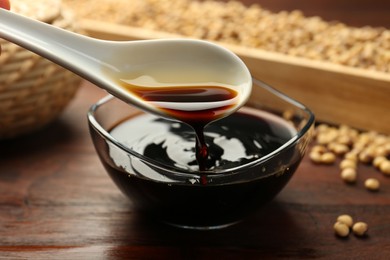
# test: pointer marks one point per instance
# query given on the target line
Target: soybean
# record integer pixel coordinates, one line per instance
(384, 167)
(346, 219)
(349, 175)
(341, 229)
(372, 184)
(360, 228)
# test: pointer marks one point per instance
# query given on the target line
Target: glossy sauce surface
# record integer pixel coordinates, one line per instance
(190, 104)
(232, 141)
(236, 140)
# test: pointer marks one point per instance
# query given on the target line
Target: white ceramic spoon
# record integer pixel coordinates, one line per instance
(153, 63)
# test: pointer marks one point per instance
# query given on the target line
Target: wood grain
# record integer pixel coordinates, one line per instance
(56, 200)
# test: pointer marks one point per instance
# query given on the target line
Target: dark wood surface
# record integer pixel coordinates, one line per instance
(57, 202)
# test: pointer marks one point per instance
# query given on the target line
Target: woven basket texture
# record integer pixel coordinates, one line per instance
(33, 90)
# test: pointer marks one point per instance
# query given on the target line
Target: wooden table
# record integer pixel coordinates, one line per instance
(57, 202)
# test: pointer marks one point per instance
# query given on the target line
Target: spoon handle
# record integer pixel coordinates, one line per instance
(58, 45)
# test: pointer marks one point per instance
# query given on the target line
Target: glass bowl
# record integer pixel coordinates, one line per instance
(255, 153)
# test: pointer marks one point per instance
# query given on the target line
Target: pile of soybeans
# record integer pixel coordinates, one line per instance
(252, 26)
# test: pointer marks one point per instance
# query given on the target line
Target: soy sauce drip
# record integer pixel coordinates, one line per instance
(201, 148)
(170, 100)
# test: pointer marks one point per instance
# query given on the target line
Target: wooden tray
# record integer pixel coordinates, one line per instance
(335, 93)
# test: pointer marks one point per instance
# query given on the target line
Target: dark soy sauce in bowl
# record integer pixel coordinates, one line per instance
(251, 154)
(200, 201)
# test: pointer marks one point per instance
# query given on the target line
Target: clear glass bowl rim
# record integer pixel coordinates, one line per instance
(291, 142)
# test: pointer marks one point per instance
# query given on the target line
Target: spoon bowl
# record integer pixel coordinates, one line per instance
(151, 63)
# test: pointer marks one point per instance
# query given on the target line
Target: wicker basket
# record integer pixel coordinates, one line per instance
(33, 90)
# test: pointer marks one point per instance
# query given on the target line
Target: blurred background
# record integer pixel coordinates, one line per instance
(354, 13)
